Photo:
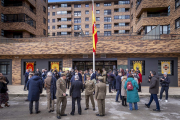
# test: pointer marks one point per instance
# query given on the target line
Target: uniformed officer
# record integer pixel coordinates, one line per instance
(100, 94)
(104, 75)
(61, 96)
(90, 87)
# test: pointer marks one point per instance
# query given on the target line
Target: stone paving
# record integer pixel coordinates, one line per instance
(114, 111)
(17, 90)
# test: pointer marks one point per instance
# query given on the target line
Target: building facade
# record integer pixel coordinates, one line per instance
(69, 48)
(23, 18)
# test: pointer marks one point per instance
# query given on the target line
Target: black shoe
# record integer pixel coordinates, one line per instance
(71, 114)
(38, 112)
(103, 115)
(117, 101)
(86, 108)
(98, 115)
(147, 105)
(58, 117)
(50, 111)
(156, 110)
(94, 109)
(31, 112)
(64, 115)
(26, 100)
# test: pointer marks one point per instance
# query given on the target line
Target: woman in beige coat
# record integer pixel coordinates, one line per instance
(123, 91)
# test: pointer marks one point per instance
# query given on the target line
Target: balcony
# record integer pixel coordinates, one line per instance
(117, 27)
(61, 22)
(68, 29)
(64, 9)
(147, 4)
(64, 15)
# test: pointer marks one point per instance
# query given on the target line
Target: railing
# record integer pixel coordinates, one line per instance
(157, 15)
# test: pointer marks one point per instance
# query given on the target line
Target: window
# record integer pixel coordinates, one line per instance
(123, 31)
(123, 10)
(48, 20)
(142, 62)
(123, 24)
(98, 32)
(77, 6)
(97, 11)
(107, 26)
(48, 13)
(87, 12)
(169, 10)
(87, 32)
(53, 6)
(53, 13)
(53, 34)
(44, 9)
(107, 4)
(61, 12)
(53, 27)
(86, 19)
(63, 33)
(165, 66)
(77, 20)
(48, 27)
(44, 31)
(107, 12)
(63, 5)
(177, 23)
(97, 25)
(53, 20)
(122, 17)
(77, 13)
(63, 19)
(77, 27)
(97, 4)
(44, 20)
(2, 32)
(5, 67)
(2, 17)
(177, 3)
(107, 19)
(2, 2)
(164, 29)
(97, 18)
(132, 5)
(107, 33)
(49, 7)
(63, 26)
(17, 35)
(122, 2)
(87, 5)
(138, 2)
(87, 26)
(32, 36)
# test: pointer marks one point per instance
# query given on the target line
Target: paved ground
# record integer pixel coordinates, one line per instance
(114, 111)
(17, 90)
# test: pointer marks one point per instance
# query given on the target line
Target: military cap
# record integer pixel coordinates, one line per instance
(63, 74)
(100, 78)
(87, 76)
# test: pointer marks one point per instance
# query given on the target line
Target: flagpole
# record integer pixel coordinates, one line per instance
(93, 52)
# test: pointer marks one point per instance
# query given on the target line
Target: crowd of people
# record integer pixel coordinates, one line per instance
(126, 84)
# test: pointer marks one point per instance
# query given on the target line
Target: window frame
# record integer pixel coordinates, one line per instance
(177, 1)
(108, 4)
(98, 12)
(177, 20)
(86, 25)
(77, 20)
(109, 19)
(107, 33)
(7, 67)
(87, 5)
(77, 5)
(107, 26)
(87, 12)
(98, 19)
(86, 18)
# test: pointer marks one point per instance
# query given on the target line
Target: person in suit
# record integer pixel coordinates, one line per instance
(80, 75)
(37, 71)
(118, 86)
(34, 87)
(104, 75)
(86, 73)
(90, 87)
(26, 79)
(110, 80)
(93, 76)
(100, 96)
(75, 92)
(61, 96)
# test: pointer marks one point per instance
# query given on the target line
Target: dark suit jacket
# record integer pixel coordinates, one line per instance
(76, 89)
(93, 76)
(118, 82)
(80, 77)
(26, 76)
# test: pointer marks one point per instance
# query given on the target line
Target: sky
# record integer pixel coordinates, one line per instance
(61, 0)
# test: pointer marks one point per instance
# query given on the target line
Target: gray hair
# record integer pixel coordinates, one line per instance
(76, 77)
(49, 74)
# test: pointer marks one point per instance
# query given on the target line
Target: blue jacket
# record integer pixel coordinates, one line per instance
(93, 76)
(76, 89)
(118, 82)
(26, 76)
(80, 77)
(132, 96)
(53, 88)
(34, 87)
(166, 81)
(72, 79)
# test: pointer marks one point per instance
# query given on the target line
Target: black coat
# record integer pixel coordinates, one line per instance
(165, 82)
(26, 76)
(154, 85)
(80, 77)
(53, 88)
(76, 89)
(118, 82)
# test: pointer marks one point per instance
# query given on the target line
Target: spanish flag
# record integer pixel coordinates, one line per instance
(94, 31)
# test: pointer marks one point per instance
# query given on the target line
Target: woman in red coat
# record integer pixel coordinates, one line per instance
(139, 81)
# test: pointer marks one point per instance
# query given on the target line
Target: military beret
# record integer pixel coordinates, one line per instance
(63, 74)
(100, 78)
(87, 75)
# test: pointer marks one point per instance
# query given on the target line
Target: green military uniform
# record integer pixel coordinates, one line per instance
(104, 76)
(100, 94)
(90, 87)
(61, 88)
